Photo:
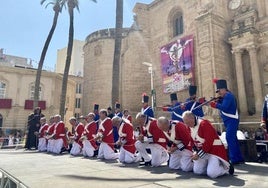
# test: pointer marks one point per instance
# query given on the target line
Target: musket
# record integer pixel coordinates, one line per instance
(183, 104)
(207, 102)
(178, 106)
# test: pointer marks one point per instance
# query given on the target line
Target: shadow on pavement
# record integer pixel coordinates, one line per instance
(81, 177)
(228, 181)
(252, 169)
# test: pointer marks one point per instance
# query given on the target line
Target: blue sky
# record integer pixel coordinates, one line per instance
(25, 25)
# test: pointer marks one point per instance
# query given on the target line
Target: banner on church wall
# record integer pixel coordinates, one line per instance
(177, 64)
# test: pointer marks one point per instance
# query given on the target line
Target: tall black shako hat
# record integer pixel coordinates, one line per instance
(145, 98)
(173, 97)
(96, 107)
(117, 105)
(192, 90)
(220, 84)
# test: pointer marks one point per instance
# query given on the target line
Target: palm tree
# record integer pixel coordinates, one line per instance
(117, 50)
(72, 4)
(57, 8)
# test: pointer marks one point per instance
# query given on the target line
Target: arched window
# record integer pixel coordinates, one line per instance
(32, 92)
(2, 90)
(177, 24)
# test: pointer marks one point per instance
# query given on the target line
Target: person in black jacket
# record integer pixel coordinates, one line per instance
(32, 127)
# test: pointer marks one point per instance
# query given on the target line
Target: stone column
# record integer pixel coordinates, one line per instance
(265, 7)
(255, 77)
(240, 81)
(261, 8)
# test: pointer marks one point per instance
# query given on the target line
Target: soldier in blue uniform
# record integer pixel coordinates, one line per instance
(117, 112)
(193, 102)
(97, 116)
(264, 115)
(229, 114)
(96, 112)
(176, 108)
(146, 109)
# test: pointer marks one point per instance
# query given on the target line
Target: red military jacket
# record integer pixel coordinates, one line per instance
(152, 130)
(59, 130)
(79, 129)
(89, 131)
(129, 118)
(51, 128)
(60, 133)
(180, 134)
(126, 136)
(43, 130)
(106, 129)
(206, 138)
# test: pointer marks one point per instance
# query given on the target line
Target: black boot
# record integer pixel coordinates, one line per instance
(231, 169)
(148, 163)
(96, 153)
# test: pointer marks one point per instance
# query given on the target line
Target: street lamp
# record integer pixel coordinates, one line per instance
(150, 70)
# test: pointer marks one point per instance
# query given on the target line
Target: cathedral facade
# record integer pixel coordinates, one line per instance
(229, 41)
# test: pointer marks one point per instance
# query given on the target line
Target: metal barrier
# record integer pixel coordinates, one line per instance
(11, 137)
(8, 181)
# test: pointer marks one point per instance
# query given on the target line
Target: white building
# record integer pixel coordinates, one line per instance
(77, 59)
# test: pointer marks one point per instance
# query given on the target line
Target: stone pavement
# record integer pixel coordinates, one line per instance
(38, 170)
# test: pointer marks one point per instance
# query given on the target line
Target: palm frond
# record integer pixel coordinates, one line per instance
(63, 4)
(42, 2)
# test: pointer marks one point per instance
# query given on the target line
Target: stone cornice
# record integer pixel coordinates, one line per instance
(104, 34)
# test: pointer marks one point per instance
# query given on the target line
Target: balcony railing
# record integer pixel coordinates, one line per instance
(8, 181)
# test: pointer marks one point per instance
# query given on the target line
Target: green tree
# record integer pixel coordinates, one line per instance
(71, 4)
(117, 50)
(57, 8)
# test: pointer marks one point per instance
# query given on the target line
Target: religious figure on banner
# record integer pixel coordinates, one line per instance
(177, 64)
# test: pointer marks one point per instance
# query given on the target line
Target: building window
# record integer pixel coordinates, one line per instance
(77, 103)
(32, 93)
(2, 90)
(177, 24)
(78, 88)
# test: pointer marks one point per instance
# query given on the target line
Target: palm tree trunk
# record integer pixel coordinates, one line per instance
(117, 51)
(42, 58)
(68, 60)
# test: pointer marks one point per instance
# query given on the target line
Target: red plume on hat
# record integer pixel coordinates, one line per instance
(144, 94)
(215, 80)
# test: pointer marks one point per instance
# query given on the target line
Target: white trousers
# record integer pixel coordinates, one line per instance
(50, 145)
(76, 149)
(58, 144)
(158, 156)
(88, 149)
(127, 157)
(106, 152)
(42, 144)
(181, 160)
(210, 165)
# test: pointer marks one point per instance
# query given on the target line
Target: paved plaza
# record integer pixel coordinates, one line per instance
(37, 170)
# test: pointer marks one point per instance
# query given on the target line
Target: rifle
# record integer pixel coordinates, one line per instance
(178, 106)
(207, 102)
